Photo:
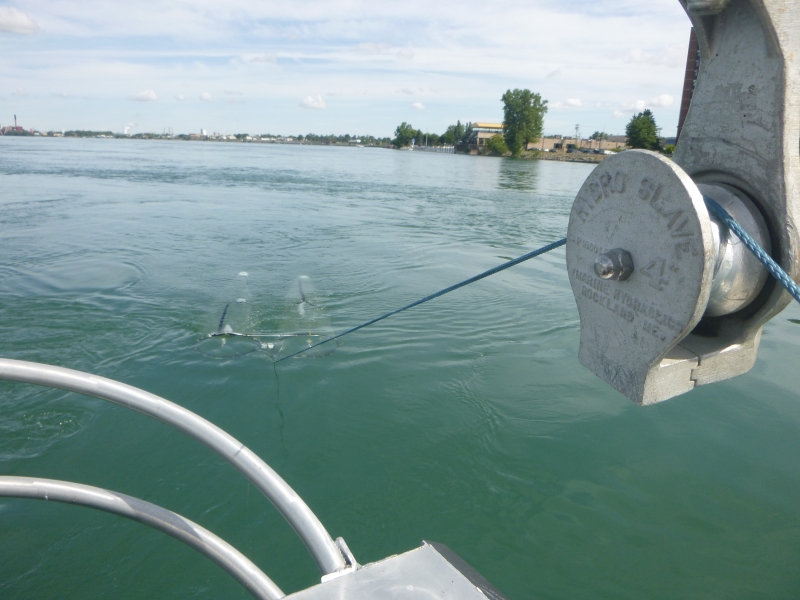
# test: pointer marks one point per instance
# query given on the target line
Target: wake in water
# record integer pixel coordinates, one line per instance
(301, 306)
(301, 321)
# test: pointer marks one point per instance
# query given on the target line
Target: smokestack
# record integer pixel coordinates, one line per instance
(15, 121)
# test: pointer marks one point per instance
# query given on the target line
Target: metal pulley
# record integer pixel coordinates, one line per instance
(668, 298)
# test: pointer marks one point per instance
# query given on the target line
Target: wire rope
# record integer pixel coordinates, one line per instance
(447, 290)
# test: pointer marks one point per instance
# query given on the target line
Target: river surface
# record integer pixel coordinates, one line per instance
(466, 421)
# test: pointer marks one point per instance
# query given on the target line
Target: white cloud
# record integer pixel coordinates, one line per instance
(62, 95)
(313, 102)
(265, 58)
(566, 104)
(411, 90)
(20, 93)
(180, 97)
(418, 106)
(638, 105)
(13, 20)
(361, 19)
(373, 47)
(206, 97)
(471, 51)
(233, 93)
(145, 96)
(672, 56)
(663, 100)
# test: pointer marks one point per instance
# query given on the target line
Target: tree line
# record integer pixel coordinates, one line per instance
(523, 121)
(369, 140)
(455, 134)
(641, 132)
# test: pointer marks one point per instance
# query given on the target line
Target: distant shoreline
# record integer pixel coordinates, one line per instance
(527, 155)
(579, 157)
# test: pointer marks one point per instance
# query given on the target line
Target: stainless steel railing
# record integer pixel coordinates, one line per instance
(327, 554)
(192, 534)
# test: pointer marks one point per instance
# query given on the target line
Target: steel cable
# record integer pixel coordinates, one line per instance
(497, 269)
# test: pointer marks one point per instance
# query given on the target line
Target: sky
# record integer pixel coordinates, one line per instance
(336, 66)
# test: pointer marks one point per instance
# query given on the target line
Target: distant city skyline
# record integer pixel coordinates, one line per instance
(325, 67)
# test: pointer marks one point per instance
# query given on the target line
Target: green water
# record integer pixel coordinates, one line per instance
(466, 421)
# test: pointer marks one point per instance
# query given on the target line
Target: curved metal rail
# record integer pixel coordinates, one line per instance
(324, 550)
(202, 540)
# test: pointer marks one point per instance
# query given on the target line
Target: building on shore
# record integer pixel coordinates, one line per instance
(560, 143)
(14, 130)
(481, 133)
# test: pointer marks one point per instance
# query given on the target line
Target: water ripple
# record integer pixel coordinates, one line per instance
(31, 423)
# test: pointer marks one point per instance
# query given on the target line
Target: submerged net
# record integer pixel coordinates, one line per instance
(302, 322)
(227, 345)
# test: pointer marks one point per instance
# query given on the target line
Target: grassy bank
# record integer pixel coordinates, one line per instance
(563, 157)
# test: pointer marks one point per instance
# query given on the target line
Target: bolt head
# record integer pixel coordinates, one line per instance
(615, 264)
(604, 267)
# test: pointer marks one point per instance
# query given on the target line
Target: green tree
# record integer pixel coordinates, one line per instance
(458, 132)
(497, 145)
(447, 136)
(467, 133)
(403, 135)
(523, 118)
(642, 132)
(454, 134)
(599, 136)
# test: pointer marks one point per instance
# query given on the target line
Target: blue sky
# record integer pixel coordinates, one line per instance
(350, 66)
